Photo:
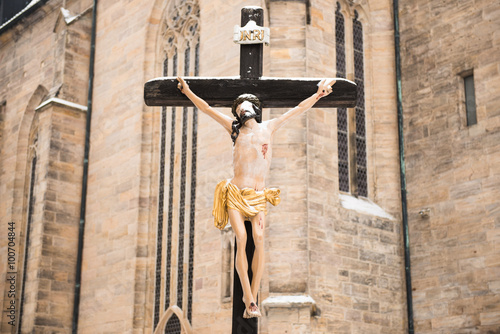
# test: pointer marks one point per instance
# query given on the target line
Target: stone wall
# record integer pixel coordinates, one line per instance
(51, 267)
(346, 263)
(453, 170)
(114, 264)
(355, 272)
(40, 56)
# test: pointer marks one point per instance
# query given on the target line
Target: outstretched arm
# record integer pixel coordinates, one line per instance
(324, 89)
(222, 119)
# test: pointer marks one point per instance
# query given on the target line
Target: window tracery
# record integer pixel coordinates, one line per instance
(351, 140)
(179, 38)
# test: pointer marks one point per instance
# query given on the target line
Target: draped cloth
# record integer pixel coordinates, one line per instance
(247, 201)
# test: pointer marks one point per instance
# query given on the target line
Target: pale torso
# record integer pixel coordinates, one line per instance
(252, 154)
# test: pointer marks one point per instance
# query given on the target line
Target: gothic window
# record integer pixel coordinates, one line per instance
(173, 325)
(161, 198)
(29, 220)
(177, 179)
(342, 131)
(194, 141)
(357, 33)
(351, 140)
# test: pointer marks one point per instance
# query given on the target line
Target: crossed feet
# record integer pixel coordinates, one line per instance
(251, 310)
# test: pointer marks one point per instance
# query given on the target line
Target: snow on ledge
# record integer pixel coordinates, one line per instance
(288, 301)
(253, 7)
(363, 205)
(194, 78)
(61, 102)
(237, 77)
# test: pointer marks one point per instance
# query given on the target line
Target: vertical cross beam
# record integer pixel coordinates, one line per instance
(251, 54)
(251, 64)
(241, 325)
(273, 93)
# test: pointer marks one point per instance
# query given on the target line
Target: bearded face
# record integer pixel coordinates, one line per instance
(246, 111)
(247, 105)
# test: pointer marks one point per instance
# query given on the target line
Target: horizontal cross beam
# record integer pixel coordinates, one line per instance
(272, 92)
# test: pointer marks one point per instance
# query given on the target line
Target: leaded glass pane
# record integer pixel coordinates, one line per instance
(182, 210)
(340, 42)
(360, 107)
(343, 154)
(470, 100)
(170, 208)
(194, 151)
(342, 136)
(182, 29)
(173, 325)
(161, 203)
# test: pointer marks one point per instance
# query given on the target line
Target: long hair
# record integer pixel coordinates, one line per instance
(238, 123)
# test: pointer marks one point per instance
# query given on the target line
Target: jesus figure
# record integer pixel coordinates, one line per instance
(244, 197)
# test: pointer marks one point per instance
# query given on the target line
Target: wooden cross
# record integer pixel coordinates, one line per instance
(272, 92)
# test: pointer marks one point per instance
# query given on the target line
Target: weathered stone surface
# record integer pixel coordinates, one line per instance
(351, 263)
(448, 162)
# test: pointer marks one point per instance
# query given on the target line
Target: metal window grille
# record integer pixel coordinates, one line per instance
(173, 325)
(470, 100)
(194, 145)
(360, 107)
(340, 42)
(182, 200)
(177, 210)
(170, 197)
(342, 135)
(161, 198)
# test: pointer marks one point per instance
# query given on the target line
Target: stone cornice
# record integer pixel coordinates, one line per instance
(61, 102)
(289, 301)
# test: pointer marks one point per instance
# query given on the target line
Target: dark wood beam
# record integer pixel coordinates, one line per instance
(273, 92)
(240, 324)
(251, 64)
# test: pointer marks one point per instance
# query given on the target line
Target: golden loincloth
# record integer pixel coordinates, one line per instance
(247, 201)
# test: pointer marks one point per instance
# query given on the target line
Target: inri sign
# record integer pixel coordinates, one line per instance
(251, 33)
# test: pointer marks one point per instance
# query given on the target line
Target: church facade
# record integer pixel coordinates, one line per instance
(106, 211)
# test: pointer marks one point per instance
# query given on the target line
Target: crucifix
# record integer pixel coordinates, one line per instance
(243, 199)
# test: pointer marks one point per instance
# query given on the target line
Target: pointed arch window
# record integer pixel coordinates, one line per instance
(342, 130)
(351, 124)
(359, 78)
(27, 239)
(177, 178)
(173, 325)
